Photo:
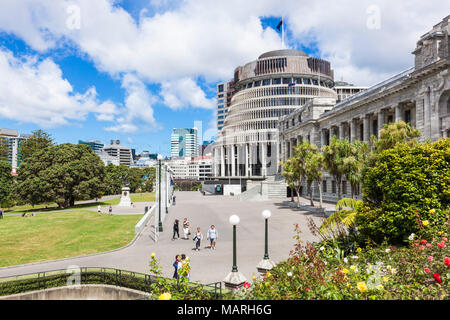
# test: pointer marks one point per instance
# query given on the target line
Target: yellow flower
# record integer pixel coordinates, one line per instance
(344, 271)
(361, 286)
(380, 287)
(353, 268)
(394, 271)
(165, 296)
(385, 279)
(254, 278)
(153, 255)
(268, 274)
(425, 222)
(359, 249)
(432, 211)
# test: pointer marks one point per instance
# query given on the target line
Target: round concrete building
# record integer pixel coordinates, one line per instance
(274, 85)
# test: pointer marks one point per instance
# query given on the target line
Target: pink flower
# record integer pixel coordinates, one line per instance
(430, 258)
(421, 247)
(426, 270)
(441, 245)
(416, 244)
(246, 285)
(444, 239)
(429, 245)
(447, 261)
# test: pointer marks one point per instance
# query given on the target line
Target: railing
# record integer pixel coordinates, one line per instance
(145, 219)
(94, 275)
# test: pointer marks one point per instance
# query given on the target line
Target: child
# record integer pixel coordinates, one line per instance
(212, 236)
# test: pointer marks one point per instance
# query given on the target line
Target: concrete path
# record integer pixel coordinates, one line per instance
(207, 265)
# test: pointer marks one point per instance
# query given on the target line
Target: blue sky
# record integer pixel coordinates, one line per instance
(135, 69)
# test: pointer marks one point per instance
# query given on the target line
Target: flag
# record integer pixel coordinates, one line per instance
(279, 24)
(291, 84)
(171, 181)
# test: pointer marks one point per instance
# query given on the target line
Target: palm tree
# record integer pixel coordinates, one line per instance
(334, 159)
(343, 219)
(313, 171)
(354, 163)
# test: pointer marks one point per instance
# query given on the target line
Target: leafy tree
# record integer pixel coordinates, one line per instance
(394, 133)
(62, 174)
(6, 183)
(293, 175)
(354, 163)
(150, 178)
(407, 185)
(334, 159)
(3, 149)
(38, 141)
(313, 171)
(135, 178)
(114, 176)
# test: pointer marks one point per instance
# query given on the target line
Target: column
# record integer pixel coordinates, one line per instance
(352, 130)
(366, 132)
(322, 137)
(398, 113)
(426, 115)
(264, 158)
(222, 161)
(233, 166)
(330, 135)
(246, 160)
(341, 131)
(380, 121)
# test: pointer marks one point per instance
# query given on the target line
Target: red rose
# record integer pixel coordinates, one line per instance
(246, 285)
(427, 270)
(437, 277)
(423, 241)
(441, 245)
(447, 261)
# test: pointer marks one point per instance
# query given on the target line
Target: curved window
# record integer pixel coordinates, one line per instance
(276, 81)
(266, 82)
(286, 80)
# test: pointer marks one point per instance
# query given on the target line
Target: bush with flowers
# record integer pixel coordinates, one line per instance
(420, 270)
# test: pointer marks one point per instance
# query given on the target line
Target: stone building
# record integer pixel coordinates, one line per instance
(419, 95)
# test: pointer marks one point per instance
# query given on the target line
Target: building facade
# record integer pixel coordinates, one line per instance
(117, 154)
(12, 140)
(272, 86)
(225, 91)
(198, 168)
(184, 143)
(345, 90)
(95, 145)
(419, 96)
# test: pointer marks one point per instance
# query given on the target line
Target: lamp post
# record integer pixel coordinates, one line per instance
(266, 264)
(160, 228)
(234, 279)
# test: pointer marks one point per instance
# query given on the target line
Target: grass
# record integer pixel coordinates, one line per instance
(61, 235)
(144, 197)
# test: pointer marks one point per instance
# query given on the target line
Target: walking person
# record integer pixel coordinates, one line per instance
(212, 235)
(174, 200)
(186, 225)
(175, 229)
(1, 214)
(110, 210)
(99, 210)
(198, 238)
(175, 265)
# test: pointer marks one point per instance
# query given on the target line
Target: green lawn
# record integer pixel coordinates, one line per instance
(62, 234)
(144, 197)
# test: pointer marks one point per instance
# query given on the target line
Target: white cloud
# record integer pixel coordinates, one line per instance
(138, 107)
(181, 93)
(36, 92)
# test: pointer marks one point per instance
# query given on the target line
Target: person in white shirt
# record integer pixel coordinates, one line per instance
(99, 210)
(186, 230)
(197, 239)
(212, 236)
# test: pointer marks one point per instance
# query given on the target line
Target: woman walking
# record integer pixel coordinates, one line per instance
(186, 226)
(176, 265)
(99, 210)
(212, 236)
(175, 229)
(198, 237)
(110, 210)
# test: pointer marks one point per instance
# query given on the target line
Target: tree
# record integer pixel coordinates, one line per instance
(150, 178)
(313, 171)
(62, 174)
(3, 149)
(354, 164)
(6, 181)
(38, 141)
(114, 176)
(136, 179)
(394, 133)
(293, 175)
(334, 157)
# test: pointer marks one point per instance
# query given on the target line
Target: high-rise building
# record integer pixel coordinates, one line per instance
(118, 153)
(225, 92)
(184, 143)
(96, 145)
(12, 140)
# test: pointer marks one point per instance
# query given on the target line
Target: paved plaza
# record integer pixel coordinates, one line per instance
(207, 265)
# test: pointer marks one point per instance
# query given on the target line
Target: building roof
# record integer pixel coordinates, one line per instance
(284, 52)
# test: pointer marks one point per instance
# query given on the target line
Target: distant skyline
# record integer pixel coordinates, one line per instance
(134, 70)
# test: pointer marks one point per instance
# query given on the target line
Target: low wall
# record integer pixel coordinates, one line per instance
(82, 292)
(145, 219)
(306, 207)
(228, 188)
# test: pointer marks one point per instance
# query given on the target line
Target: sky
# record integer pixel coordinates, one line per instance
(135, 69)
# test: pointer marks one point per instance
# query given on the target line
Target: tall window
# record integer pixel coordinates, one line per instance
(324, 186)
(220, 88)
(408, 116)
(333, 186)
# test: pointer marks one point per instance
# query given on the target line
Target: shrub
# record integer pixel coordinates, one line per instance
(407, 187)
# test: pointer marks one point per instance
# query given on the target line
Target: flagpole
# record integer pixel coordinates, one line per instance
(282, 32)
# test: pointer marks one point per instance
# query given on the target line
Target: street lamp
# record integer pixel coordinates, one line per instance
(159, 191)
(234, 279)
(266, 264)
